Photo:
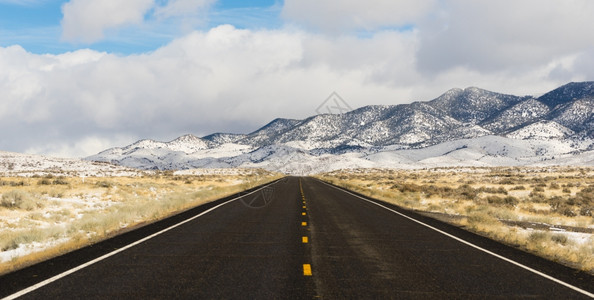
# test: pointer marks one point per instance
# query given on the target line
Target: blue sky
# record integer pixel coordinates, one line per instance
(35, 25)
(80, 76)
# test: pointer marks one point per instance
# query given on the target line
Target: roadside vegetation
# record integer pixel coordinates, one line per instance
(45, 216)
(548, 211)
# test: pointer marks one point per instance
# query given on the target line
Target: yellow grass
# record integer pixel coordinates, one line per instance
(67, 213)
(483, 199)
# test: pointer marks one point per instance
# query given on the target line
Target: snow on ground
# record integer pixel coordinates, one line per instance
(299, 157)
(215, 171)
(541, 143)
(542, 130)
(487, 151)
(575, 239)
(57, 212)
(17, 164)
(25, 249)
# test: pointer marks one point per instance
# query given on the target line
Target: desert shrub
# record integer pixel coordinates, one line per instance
(480, 218)
(584, 200)
(496, 200)
(587, 211)
(559, 239)
(507, 181)
(564, 206)
(60, 180)
(103, 184)
(511, 201)
(407, 187)
(585, 196)
(500, 190)
(13, 183)
(554, 186)
(519, 188)
(44, 181)
(538, 189)
(556, 201)
(507, 201)
(537, 237)
(537, 197)
(19, 200)
(467, 192)
(442, 191)
(566, 190)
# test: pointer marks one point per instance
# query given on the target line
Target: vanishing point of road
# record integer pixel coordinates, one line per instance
(297, 238)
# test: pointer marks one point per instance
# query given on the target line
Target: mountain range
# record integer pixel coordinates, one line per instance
(468, 126)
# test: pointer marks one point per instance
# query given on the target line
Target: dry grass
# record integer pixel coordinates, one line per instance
(42, 217)
(518, 206)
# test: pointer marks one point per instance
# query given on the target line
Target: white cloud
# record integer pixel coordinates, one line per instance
(344, 15)
(87, 20)
(584, 64)
(89, 144)
(493, 36)
(175, 8)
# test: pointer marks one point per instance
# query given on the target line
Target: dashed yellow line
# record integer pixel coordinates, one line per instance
(304, 239)
(306, 270)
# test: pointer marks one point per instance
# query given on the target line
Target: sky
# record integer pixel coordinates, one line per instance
(80, 76)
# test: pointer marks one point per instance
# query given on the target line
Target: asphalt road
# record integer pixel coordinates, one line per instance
(299, 238)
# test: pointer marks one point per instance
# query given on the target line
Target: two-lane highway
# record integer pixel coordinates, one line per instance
(301, 238)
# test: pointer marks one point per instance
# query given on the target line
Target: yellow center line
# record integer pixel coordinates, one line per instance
(304, 239)
(306, 270)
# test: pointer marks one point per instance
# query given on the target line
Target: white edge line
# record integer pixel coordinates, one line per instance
(98, 259)
(473, 245)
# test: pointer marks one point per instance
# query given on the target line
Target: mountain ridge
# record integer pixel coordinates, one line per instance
(565, 114)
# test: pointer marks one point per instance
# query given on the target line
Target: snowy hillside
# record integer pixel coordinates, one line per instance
(471, 127)
(542, 130)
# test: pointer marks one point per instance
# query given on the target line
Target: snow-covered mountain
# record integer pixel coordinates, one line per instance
(547, 128)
